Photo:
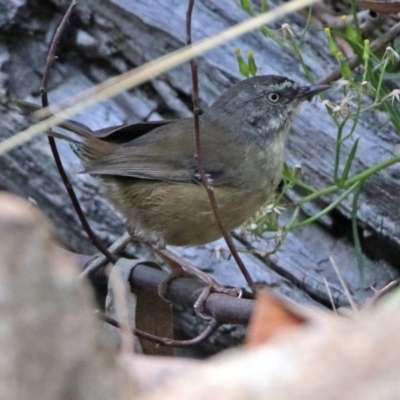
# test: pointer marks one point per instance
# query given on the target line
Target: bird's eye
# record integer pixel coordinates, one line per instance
(273, 97)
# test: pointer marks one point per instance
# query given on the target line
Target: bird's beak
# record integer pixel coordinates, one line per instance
(308, 92)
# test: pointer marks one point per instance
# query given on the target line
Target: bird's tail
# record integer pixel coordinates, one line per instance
(76, 132)
(83, 141)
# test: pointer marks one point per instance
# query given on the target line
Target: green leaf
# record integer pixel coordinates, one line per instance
(356, 237)
(243, 67)
(366, 52)
(352, 34)
(252, 64)
(349, 162)
(331, 43)
(325, 211)
(287, 172)
(268, 222)
(346, 71)
(264, 6)
(245, 4)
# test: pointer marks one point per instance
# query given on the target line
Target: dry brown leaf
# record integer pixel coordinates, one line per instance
(154, 315)
(271, 317)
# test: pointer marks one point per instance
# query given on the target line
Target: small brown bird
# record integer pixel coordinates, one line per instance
(150, 173)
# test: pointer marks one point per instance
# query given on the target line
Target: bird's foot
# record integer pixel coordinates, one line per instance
(162, 288)
(199, 305)
(181, 267)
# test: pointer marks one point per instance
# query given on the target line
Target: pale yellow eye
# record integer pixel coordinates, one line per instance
(273, 97)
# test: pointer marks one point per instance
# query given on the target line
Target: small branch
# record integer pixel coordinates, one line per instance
(45, 103)
(344, 285)
(99, 261)
(355, 61)
(212, 326)
(182, 291)
(51, 56)
(199, 159)
(381, 293)
(323, 14)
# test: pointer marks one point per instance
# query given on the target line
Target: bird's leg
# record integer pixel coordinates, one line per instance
(177, 262)
(175, 271)
(179, 266)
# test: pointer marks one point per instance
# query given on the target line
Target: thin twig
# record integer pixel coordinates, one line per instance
(382, 292)
(355, 61)
(199, 159)
(45, 103)
(328, 290)
(212, 326)
(115, 248)
(343, 283)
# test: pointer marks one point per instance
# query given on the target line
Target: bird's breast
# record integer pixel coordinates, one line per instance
(262, 167)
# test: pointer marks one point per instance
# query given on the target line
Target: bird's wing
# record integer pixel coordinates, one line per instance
(166, 154)
(126, 133)
(153, 150)
(113, 134)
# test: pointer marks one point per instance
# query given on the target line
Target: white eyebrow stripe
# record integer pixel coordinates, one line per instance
(286, 84)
